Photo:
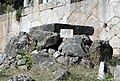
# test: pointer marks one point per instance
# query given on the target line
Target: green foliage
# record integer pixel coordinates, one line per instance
(9, 9)
(27, 56)
(16, 4)
(18, 14)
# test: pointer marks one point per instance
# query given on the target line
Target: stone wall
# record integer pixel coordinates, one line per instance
(103, 15)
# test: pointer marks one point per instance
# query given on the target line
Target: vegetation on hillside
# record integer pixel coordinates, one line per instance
(15, 4)
(10, 5)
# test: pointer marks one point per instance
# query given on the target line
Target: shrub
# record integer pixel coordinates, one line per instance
(18, 14)
(28, 58)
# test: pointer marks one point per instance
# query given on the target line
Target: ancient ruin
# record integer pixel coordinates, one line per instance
(54, 35)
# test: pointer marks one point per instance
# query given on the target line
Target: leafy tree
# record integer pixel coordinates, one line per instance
(16, 4)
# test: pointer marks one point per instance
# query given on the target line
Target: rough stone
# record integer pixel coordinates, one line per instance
(19, 56)
(56, 54)
(34, 52)
(44, 38)
(117, 73)
(73, 60)
(61, 74)
(2, 58)
(51, 51)
(113, 43)
(13, 66)
(23, 67)
(57, 26)
(87, 63)
(20, 78)
(73, 47)
(39, 58)
(100, 50)
(63, 60)
(21, 43)
(21, 62)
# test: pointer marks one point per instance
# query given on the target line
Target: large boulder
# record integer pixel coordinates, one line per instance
(44, 38)
(73, 47)
(100, 50)
(21, 43)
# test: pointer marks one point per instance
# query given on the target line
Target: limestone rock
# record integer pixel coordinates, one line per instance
(61, 74)
(2, 58)
(23, 67)
(87, 63)
(117, 73)
(44, 38)
(73, 60)
(63, 60)
(56, 54)
(55, 27)
(21, 43)
(20, 78)
(40, 57)
(21, 62)
(51, 51)
(73, 47)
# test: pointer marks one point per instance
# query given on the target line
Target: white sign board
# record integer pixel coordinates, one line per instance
(66, 33)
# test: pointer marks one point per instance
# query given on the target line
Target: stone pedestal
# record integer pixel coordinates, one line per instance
(101, 74)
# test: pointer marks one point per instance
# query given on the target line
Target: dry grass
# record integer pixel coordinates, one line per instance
(78, 73)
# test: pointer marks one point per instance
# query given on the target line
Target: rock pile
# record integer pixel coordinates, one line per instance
(43, 47)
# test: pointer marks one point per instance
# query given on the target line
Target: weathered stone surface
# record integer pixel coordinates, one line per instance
(116, 51)
(2, 58)
(39, 58)
(51, 51)
(56, 54)
(63, 60)
(73, 47)
(86, 63)
(34, 52)
(19, 56)
(21, 43)
(20, 78)
(13, 66)
(57, 26)
(61, 74)
(44, 38)
(113, 43)
(21, 62)
(108, 32)
(100, 50)
(73, 60)
(117, 73)
(23, 67)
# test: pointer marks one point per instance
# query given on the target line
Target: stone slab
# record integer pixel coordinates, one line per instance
(55, 27)
(101, 71)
